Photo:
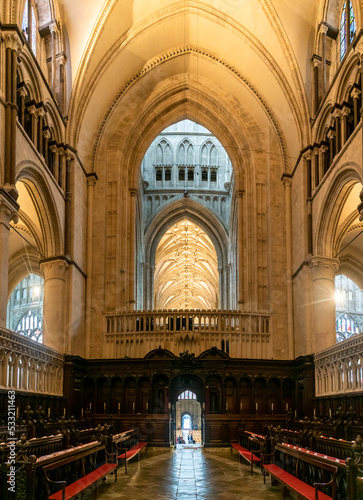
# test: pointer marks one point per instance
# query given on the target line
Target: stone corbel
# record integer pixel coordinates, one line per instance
(8, 209)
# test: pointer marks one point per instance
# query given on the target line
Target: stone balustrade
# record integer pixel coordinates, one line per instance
(338, 369)
(26, 365)
(240, 335)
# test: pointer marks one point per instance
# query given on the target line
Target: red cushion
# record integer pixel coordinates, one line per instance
(132, 452)
(304, 489)
(247, 454)
(83, 483)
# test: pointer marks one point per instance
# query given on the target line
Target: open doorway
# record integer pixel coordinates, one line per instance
(188, 420)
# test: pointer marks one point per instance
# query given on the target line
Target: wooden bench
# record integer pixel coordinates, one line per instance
(88, 480)
(129, 454)
(304, 460)
(248, 455)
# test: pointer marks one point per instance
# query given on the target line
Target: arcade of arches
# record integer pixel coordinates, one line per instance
(181, 209)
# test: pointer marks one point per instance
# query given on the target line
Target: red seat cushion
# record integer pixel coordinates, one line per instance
(83, 483)
(132, 452)
(302, 488)
(247, 454)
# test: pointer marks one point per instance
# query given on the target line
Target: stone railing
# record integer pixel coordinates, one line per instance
(136, 333)
(26, 365)
(338, 369)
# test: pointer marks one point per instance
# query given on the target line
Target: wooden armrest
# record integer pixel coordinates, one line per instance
(62, 483)
(110, 455)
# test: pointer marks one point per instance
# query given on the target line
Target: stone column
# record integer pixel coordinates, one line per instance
(46, 137)
(289, 289)
(40, 113)
(132, 248)
(331, 137)
(316, 85)
(54, 303)
(307, 158)
(91, 182)
(8, 212)
(323, 32)
(13, 45)
(33, 120)
(53, 30)
(241, 296)
(322, 162)
(345, 115)
(355, 95)
(338, 140)
(55, 170)
(22, 92)
(62, 168)
(68, 159)
(316, 168)
(324, 328)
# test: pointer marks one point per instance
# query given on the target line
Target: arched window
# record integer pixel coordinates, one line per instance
(347, 27)
(26, 316)
(187, 395)
(29, 25)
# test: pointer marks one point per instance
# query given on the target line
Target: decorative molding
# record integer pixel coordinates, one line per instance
(189, 49)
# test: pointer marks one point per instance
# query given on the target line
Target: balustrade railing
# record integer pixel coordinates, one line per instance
(29, 366)
(136, 333)
(338, 369)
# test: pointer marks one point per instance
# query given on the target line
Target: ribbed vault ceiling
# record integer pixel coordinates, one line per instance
(186, 269)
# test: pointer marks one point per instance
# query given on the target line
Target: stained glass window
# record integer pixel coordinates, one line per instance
(352, 26)
(25, 23)
(30, 28)
(34, 32)
(187, 395)
(344, 28)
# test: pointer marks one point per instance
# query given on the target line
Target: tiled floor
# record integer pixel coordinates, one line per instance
(188, 474)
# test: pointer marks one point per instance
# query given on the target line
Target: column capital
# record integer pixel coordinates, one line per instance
(8, 208)
(286, 180)
(40, 111)
(331, 134)
(133, 192)
(345, 111)
(22, 91)
(307, 155)
(360, 206)
(355, 93)
(323, 267)
(337, 113)
(323, 149)
(92, 179)
(54, 149)
(54, 268)
(46, 133)
(323, 29)
(12, 41)
(240, 193)
(53, 28)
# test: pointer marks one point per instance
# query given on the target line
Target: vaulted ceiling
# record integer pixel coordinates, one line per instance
(186, 269)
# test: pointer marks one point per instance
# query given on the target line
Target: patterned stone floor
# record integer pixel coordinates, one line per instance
(188, 474)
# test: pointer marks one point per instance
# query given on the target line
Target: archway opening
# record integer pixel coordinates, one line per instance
(349, 308)
(188, 419)
(186, 269)
(25, 308)
(184, 218)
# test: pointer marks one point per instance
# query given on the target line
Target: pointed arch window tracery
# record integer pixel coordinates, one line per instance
(347, 27)
(29, 24)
